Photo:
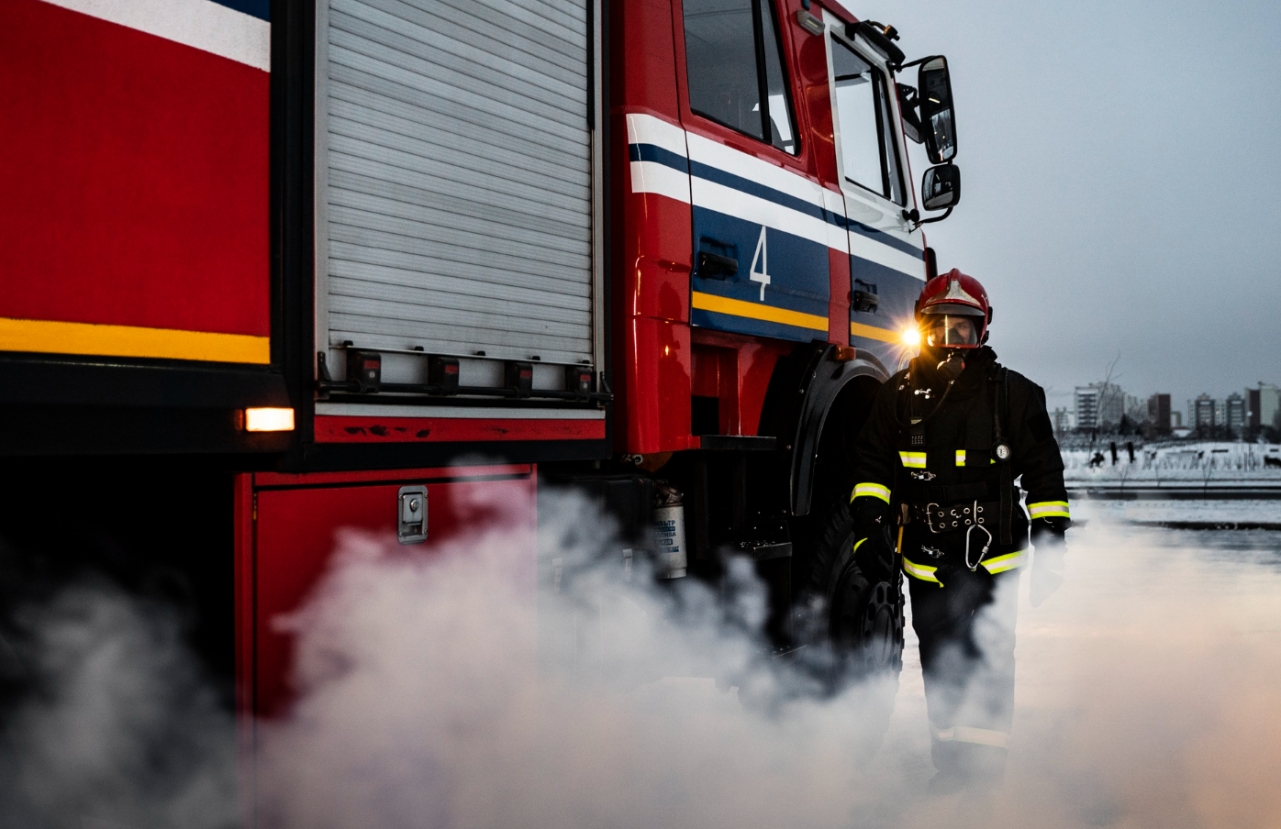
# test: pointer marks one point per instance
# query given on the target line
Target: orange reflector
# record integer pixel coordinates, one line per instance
(269, 420)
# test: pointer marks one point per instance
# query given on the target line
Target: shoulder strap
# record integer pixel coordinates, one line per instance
(1001, 406)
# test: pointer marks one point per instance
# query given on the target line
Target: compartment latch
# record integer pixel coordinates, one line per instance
(411, 528)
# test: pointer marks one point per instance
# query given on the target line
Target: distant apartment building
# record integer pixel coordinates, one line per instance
(1099, 406)
(1201, 412)
(1159, 414)
(1176, 419)
(1062, 418)
(1263, 405)
(1087, 407)
(1234, 413)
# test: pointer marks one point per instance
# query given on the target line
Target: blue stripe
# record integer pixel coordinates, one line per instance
(649, 152)
(752, 188)
(260, 9)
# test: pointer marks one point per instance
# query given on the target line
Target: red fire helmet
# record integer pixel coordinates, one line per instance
(959, 310)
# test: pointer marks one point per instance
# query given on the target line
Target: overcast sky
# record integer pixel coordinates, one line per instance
(1118, 196)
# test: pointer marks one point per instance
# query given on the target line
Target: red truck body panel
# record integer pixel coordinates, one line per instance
(135, 181)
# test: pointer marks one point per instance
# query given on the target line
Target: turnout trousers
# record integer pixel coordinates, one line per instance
(966, 630)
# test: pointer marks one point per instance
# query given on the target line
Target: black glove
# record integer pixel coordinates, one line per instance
(1047, 560)
(872, 550)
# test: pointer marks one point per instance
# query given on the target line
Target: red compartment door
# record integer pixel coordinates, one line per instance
(290, 540)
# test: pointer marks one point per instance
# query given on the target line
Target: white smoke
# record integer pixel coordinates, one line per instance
(465, 685)
(119, 727)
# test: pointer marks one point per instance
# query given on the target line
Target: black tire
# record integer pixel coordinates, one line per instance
(863, 607)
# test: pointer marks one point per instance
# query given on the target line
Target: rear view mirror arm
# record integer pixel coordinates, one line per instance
(917, 223)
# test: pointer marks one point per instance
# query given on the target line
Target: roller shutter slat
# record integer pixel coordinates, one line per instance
(458, 201)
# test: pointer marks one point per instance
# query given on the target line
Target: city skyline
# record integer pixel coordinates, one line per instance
(1107, 406)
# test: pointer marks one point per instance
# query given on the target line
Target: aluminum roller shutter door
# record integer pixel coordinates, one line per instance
(458, 202)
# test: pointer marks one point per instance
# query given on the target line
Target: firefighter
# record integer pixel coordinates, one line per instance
(935, 495)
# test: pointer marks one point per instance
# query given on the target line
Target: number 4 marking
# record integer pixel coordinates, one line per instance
(761, 256)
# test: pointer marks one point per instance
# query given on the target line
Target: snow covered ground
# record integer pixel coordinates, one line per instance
(1180, 464)
(1111, 511)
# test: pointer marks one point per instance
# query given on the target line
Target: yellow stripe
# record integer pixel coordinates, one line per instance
(912, 460)
(960, 457)
(48, 337)
(920, 571)
(885, 335)
(1000, 564)
(757, 311)
(1049, 509)
(871, 491)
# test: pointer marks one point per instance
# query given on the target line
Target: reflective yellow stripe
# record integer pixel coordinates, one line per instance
(885, 335)
(51, 337)
(756, 311)
(1009, 561)
(913, 460)
(920, 571)
(1049, 509)
(872, 491)
(960, 457)
(858, 544)
(972, 735)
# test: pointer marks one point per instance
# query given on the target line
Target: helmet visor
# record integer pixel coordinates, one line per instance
(951, 330)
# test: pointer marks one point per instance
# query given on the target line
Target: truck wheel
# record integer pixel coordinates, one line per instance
(864, 612)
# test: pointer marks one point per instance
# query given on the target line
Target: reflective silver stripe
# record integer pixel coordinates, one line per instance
(920, 571)
(1009, 561)
(913, 460)
(972, 735)
(1049, 509)
(872, 491)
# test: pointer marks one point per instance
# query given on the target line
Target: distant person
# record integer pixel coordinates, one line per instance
(935, 494)
(1097, 460)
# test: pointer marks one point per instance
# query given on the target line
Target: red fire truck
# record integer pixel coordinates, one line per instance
(272, 269)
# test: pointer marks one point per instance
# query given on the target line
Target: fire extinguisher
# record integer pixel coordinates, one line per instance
(669, 532)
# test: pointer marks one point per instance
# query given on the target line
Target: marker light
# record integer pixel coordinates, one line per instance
(269, 420)
(911, 336)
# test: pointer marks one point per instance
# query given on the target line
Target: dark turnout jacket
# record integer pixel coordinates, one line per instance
(944, 475)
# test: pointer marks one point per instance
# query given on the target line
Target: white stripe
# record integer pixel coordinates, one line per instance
(729, 160)
(646, 129)
(756, 210)
(652, 177)
(972, 735)
(201, 24)
(883, 254)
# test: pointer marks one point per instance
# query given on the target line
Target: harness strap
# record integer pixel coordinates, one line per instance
(1002, 396)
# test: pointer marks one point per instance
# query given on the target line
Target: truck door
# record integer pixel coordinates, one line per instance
(886, 257)
(760, 234)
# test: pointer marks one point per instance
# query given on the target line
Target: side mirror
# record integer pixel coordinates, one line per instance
(937, 119)
(941, 187)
